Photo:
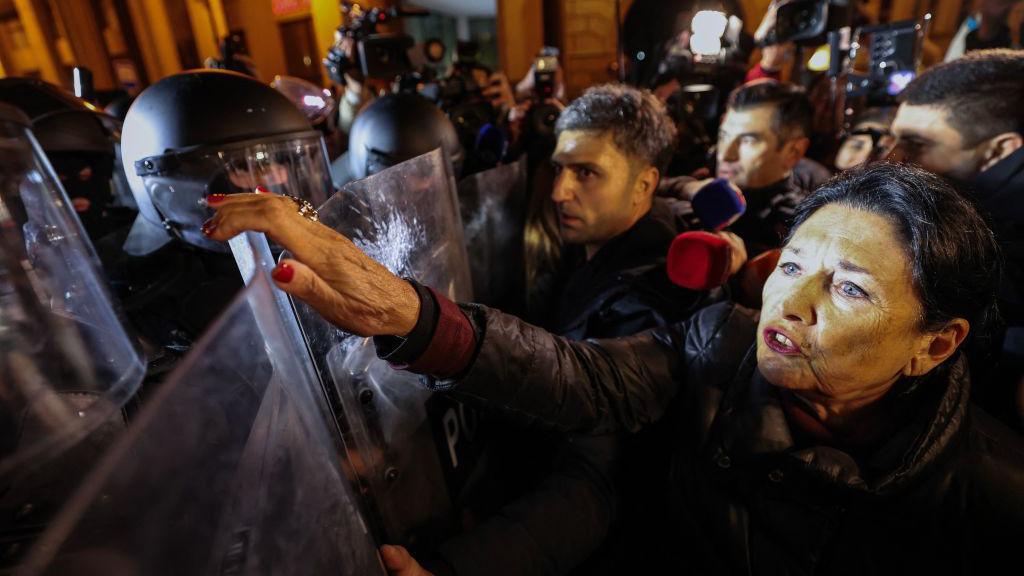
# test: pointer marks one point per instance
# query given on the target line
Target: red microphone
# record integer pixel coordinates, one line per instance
(698, 260)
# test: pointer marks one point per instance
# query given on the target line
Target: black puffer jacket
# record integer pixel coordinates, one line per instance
(942, 494)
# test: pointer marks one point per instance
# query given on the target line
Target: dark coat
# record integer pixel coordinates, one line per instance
(624, 288)
(564, 490)
(999, 195)
(942, 494)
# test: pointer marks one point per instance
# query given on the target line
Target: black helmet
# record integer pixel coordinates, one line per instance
(80, 142)
(213, 131)
(397, 127)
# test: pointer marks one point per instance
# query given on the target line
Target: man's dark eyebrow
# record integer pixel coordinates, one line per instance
(915, 137)
(851, 267)
(570, 164)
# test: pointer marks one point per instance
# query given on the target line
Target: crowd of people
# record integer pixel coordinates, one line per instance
(842, 393)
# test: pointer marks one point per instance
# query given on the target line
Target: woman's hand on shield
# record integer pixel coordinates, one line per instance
(326, 269)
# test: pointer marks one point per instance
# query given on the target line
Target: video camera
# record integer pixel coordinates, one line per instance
(808, 22)
(875, 62)
(893, 56)
(707, 61)
(380, 56)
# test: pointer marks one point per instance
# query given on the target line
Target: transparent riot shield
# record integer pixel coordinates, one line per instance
(66, 365)
(413, 453)
(231, 468)
(493, 207)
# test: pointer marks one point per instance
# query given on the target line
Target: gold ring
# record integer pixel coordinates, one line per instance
(305, 208)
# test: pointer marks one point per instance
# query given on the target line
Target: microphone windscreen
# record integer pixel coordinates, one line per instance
(717, 204)
(698, 261)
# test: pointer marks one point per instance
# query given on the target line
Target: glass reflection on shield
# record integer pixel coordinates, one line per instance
(412, 452)
(66, 365)
(179, 182)
(231, 468)
(493, 208)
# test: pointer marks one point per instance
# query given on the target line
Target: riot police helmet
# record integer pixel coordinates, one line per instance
(398, 127)
(202, 132)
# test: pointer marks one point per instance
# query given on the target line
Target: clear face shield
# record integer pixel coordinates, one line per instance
(178, 183)
(66, 365)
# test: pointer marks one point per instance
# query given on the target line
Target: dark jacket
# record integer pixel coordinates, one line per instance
(624, 288)
(942, 494)
(999, 195)
(765, 222)
(566, 490)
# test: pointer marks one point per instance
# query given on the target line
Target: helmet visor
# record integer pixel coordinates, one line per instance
(178, 183)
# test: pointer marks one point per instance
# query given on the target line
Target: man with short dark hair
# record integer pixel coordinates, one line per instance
(613, 143)
(962, 118)
(762, 139)
(965, 120)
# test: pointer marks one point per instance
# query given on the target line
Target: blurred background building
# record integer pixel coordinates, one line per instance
(128, 44)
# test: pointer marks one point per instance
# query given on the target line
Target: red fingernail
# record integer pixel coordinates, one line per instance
(215, 198)
(283, 273)
(262, 190)
(208, 227)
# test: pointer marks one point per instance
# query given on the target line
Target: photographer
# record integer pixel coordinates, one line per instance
(964, 120)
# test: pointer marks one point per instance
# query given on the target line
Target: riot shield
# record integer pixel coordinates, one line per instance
(412, 452)
(231, 468)
(66, 365)
(493, 207)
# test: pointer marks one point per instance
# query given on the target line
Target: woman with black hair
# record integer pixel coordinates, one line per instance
(829, 434)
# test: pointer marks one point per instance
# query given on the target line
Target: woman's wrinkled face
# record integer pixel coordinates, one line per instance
(841, 319)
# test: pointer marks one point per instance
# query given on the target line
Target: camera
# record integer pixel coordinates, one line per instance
(380, 56)
(540, 120)
(893, 53)
(808, 22)
(545, 73)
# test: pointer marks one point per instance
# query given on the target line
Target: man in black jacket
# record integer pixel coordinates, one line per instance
(613, 143)
(762, 140)
(964, 120)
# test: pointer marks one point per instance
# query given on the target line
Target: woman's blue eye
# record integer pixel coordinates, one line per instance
(852, 290)
(789, 268)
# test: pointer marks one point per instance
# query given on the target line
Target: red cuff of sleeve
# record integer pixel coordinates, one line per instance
(452, 347)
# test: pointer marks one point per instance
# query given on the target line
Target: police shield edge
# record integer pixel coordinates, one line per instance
(231, 468)
(67, 367)
(493, 207)
(413, 453)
